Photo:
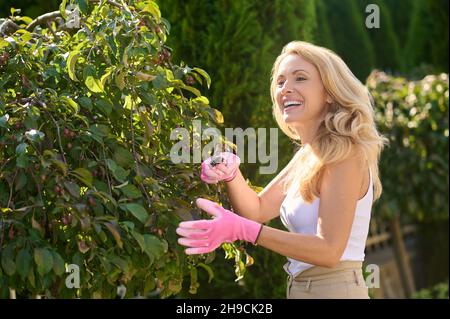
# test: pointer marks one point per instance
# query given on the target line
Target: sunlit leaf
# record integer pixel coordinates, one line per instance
(71, 63)
(94, 84)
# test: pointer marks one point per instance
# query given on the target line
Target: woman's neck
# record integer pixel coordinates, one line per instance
(307, 132)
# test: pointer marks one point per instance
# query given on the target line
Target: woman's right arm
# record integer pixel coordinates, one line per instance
(260, 207)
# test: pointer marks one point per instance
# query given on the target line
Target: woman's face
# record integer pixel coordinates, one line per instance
(300, 93)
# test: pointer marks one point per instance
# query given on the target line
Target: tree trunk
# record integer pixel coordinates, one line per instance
(402, 258)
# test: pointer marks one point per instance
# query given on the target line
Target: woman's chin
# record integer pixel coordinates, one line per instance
(289, 118)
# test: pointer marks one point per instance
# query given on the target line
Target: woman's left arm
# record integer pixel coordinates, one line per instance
(339, 193)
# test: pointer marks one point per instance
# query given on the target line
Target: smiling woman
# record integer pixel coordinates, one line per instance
(299, 81)
(337, 115)
(324, 195)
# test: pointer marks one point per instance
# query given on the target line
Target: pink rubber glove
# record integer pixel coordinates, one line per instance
(204, 236)
(221, 167)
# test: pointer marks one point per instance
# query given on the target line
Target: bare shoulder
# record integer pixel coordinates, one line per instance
(348, 176)
(352, 164)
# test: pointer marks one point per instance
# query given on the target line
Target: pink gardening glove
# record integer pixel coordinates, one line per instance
(220, 167)
(204, 236)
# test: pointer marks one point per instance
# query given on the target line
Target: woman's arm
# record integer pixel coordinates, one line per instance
(339, 193)
(260, 207)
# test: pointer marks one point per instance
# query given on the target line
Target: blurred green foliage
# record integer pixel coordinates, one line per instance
(438, 291)
(414, 168)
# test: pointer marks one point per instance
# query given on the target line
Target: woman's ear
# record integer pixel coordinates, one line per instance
(329, 99)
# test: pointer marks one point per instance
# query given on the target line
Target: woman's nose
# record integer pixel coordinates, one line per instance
(286, 88)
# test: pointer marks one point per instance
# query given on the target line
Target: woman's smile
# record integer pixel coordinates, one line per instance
(293, 105)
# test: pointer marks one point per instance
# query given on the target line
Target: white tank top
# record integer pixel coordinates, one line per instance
(301, 217)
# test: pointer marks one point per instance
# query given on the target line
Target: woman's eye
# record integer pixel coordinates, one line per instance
(300, 78)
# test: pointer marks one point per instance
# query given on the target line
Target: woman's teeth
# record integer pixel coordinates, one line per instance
(291, 104)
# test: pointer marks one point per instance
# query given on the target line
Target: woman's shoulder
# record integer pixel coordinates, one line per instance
(353, 170)
(353, 160)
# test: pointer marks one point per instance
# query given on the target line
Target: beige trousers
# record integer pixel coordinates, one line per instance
(345, 281)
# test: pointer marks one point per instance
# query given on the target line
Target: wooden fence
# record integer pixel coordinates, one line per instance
(391, 247)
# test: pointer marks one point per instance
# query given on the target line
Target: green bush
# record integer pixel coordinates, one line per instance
(85, 177)
(414, 168)
(439, 291)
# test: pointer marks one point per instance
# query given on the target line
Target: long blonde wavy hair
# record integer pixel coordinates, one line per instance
(348, 124)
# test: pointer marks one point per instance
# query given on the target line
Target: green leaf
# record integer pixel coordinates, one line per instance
(120, 79)
(137, 211)
(205, 75)
(21, 182)
(8, 264)
(61, 165)
(128, 225)
(85, 102)
(25, 35)
(105, 196)
(31, 278)
(62, 9)
(112, 166)
(154, 247)
(14, 11)
(147, 97)
(4, 120)
(123, 157)
(131, 191)
(94, 84)
(152, 8)
(21, 149)
(71, 103)
(71, 62)
(115, 232)
(3, 43)
(99, 131)
(120, 174)
(36, 225)
(140, 240)
(26, 20)
(160, 82)
(83, 175)
(23, 263)
(104, 106)
(208, 269)
(34, 135)
(191, 89)
(73, 189)
(105, 76)
(194, 281)
(128, 102)
(58, 264)
(83, 5)
(22, 161)
(44, 260)
(216, 115)
(201, 99)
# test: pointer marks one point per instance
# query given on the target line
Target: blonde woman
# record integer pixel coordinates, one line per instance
(324, 195)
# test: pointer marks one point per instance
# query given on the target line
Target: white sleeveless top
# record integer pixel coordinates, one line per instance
(301, 217)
